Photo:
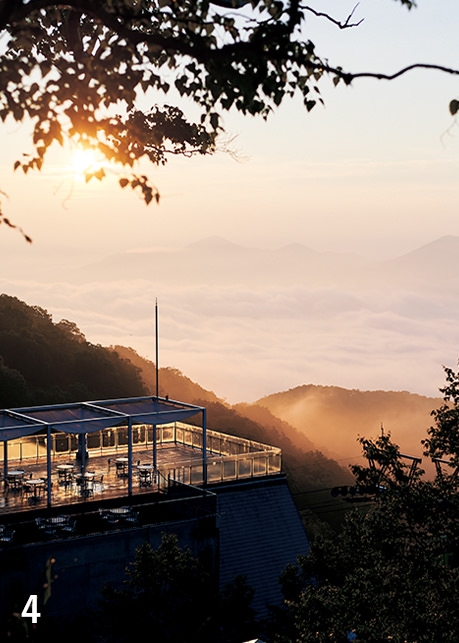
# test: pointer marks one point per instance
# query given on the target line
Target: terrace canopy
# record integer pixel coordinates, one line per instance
(81, 418)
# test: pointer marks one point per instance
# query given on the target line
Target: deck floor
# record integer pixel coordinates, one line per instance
(169, 457)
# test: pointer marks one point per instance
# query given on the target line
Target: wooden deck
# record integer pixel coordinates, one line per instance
(108, 483)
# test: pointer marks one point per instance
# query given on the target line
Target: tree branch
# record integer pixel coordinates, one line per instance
(342, 25)
(348, 77)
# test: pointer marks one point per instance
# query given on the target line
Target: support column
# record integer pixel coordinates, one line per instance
(82, 453)
(130, 457)
(155, 455)
(204, 446)
(5, 459)
(48, 464)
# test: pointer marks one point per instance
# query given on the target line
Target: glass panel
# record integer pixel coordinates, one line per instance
(168, 433)
(61, 442)
(259, 465)
(197, 440)
(244, 467)
(214, 472)
(229, 469)
(196, 474)
(274, 463)
(123, 436)
(108, 438)
(179, 435)
(93, 440)
(14, 449)
(41, 445)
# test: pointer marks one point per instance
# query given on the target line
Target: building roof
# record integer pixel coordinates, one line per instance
(260, 534)
(87, 417)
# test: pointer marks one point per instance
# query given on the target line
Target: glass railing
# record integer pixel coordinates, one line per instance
(228, 457)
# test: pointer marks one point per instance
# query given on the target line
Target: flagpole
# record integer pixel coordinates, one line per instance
(157, 383)
(156, 334)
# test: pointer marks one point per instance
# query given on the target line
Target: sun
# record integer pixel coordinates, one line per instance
(84, 160)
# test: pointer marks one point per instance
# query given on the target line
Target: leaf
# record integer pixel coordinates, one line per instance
(454, 107)
(124, 182)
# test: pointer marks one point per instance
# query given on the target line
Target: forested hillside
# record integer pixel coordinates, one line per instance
(43, 362)
(47, 362)
(310, 473)
(334, 417)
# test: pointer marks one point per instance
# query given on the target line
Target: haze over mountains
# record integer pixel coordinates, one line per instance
(215, 260)
(245, 322)
(334, 417)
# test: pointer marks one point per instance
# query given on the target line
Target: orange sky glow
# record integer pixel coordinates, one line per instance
(374, 172)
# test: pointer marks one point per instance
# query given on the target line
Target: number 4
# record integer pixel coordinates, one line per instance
(30, 609)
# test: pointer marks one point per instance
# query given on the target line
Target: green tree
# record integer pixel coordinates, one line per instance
(65, 367)
(83, 70)
(13, 389)
(442, 442)
(171, 595)
(391, 572)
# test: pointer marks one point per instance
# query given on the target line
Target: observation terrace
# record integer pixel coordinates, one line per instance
(89, 453)
(83, 485)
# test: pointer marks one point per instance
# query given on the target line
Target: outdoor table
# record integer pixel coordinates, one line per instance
(65, 471)
(85, 480)
(115, 514)
(121, 465)
(14, 478)
(87, 475)
(145, 472)
(37, 484)
(58, 521)
(120, 511)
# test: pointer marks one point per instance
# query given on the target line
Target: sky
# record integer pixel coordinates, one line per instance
(373, 172)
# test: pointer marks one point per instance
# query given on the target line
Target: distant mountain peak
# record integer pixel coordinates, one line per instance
(214, 243)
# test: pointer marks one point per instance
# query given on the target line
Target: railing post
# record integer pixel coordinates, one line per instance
(204, 446)
(5, 459)
(48, 464)
(130, 456)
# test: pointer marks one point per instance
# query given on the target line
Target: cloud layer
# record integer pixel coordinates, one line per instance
(246, 341)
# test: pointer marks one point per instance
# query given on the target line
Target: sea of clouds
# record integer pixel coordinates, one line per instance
(247, 341)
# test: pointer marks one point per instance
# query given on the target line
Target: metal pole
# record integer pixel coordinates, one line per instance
(5, 459)
(204, 446)
(130, 457)
(48, 464)
(156, 338)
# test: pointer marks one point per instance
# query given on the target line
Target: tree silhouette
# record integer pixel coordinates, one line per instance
(84, 70)
(392, 571)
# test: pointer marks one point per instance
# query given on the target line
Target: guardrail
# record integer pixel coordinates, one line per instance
(228, 457)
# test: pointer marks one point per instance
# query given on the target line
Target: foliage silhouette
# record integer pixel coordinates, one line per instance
(93, 73)
(46, 363)
(173, 595)
(392, 572)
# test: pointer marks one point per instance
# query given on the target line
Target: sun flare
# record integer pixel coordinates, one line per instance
(84, 160)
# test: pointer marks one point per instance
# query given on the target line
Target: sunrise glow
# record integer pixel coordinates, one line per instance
(84, 160)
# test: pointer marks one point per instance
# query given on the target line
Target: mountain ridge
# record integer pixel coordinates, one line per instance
(334, 417)
(216, 260)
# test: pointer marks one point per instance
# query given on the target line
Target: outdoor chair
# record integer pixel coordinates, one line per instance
(7, 535)
(69, 528)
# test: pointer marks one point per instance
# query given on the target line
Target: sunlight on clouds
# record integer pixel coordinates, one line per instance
(246, 342)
